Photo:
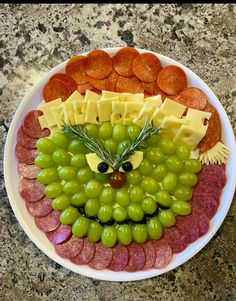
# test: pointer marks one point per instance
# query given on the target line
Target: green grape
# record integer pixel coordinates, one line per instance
(85, 174)
(122, 197)
(119, 132)
(133, 177)
(45, 145)
(91, 207)
(149, 205)
(149, 185)
(70, 135)
(102, 177)
(154, 140)
(155, 155)
(163, 198)
(167, 146)
(94, 232)
(174, 164)
(61, 202)
(135, 212)
(139, 233)
(109, 236)
(188, 179)
(182, 152)
(71, 187)
(133, 131)
(78, 199)
(107, 195)
(183, 193)
(159, 172)
(122, 146)
(145, 168)
(180, 207)
(93, 188)
(105, 213)
(111, 145)
(166, 217)
(154, 228)
(44, 161)
(67, 173)
(61, 157)
(60, 140)
(78, 160)
(119, 214)
(47, 175)
(69, 215)
(124, 234)
(136, 194)
(53, 190)
(80, 226)
(105, 130)
(169, 182)
(193, 165)
(77, 147)
(91, 130)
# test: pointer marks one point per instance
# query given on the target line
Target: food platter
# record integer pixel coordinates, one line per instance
(31, 101)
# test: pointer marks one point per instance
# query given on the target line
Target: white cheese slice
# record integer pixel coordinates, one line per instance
(91, 96)
(46, 109)
(132, 110)
(105, 108)
(93, 162)
(118, 110)
(43, 122)
(218, 154)
(91, 114)
(79, 111)
(75, 96)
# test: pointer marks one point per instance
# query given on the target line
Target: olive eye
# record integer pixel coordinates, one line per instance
(127, 166)
(103, 167)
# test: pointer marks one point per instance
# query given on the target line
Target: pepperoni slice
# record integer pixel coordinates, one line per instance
(99, 64)
(31, 190)
(129, 85)
(203, 221)
(84, 87)
(54, 89)
(213, 133)
(149, 88)
(28, 171)
(102, 257)
(25, 155)
(40, 208)
(150, 255)
(120, 258)
(71, 248)
(123, 61)
(49, 222)
(25, 140)
(71, 84)
(176, 238)
(159, 91)
(99, 84)
(172, 80)
(146, 67)
(75, 68)
(163, 253)
(189, 227)
(60, 235)
(192, 97)
(136, 257)
(86, 254)
(31, 125)
(111, 82)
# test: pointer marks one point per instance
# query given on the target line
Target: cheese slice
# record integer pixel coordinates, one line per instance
(75, 96)
(43, 122)
(91, 96)
(118, 110)
(218, 154)
(105, 108)
(132, 110)
(79, 111)
(138, 97)
(170, 126)
(68, 112)
(46, 109)
(58, 115)
(197, 117)
(135, 159)
(154, 99)
(93, 162)
(109, 94)
(91, 114)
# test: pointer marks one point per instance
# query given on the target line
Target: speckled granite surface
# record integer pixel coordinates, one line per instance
(34, 38)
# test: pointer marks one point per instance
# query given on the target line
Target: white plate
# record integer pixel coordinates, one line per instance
(31, 101)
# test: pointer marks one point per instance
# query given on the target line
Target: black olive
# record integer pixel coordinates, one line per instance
(127, 166)
(103, 167)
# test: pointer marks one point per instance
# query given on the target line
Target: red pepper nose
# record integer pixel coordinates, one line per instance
(117, 179)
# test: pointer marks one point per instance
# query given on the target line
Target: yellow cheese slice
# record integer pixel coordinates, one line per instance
(91, 96)
(91, 114)
(105, 108)
(132, 110)
(68, 112)
(46, 109)
(135, 159)
(118, 110)
(218, 154)
(75, 96)
(154, 99)
(79, 111)
(109, 94)
(93, 162)
(138, 97)
(58, 115)
(43, 122)
(197, 116)
(170, 126)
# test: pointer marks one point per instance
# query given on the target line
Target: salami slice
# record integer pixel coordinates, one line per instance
(192, 97)
(176, 238)
(120, 258)
(31, 190)
(31, 125)
(203, 188)
(163, 254)
(71, 248)
(207, 204)
(136, 257)
(75, 68)
(40, 208)
(189, 226)
(60, 235)
(99, 64)
(25, 155)
(129, 85)
(82, 88)
(99, 84)
(111, 82)
(123, 61)
(86, 254)
(28, 171)
(150, 255)
(56, 88)
(203, 221)
(25, 140)
(49, 222)
(70, 83)
(214, 172)
(102, 257)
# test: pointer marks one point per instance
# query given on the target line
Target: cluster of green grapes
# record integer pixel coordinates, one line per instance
(158, 189)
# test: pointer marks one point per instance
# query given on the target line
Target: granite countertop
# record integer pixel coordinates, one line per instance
(33, 38)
